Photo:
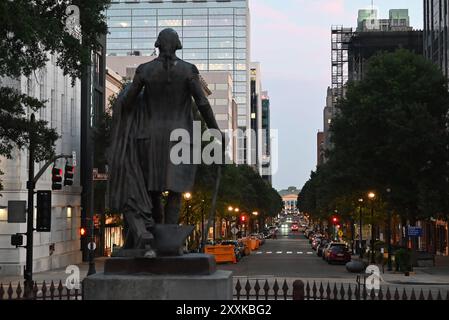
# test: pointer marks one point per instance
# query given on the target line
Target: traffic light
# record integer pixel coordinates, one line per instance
(83, 231)
(68, 175)
(43, 216)
(243, 219)
(56, 178)
(335, 220)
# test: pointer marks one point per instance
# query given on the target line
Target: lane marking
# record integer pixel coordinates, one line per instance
(300, 252)
(309, 253)
(289, 252)
(259, 252)
(269, 252)
(279, 252)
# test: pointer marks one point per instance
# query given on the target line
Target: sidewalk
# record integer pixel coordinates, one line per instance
(430, 276)
(55, 275)
(420, 276)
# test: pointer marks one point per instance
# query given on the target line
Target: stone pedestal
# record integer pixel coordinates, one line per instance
(189, 277)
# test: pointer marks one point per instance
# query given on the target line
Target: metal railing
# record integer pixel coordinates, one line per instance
(39, 292)
(313, 290)
(262, 290)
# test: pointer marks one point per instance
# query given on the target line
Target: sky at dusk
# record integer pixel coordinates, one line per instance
(291, 39)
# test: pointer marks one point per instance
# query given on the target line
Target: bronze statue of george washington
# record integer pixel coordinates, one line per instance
(146, 112)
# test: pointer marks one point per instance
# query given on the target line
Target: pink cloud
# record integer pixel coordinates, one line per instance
(334, 7)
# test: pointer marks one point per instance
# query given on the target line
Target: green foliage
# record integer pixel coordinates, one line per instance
(30, 31)
(15, 126)
(403, 260)
(241, 187)
(390, 132)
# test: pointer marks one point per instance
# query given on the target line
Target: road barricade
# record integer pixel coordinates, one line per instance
(247, 243)
(222, 254)
(254, 244)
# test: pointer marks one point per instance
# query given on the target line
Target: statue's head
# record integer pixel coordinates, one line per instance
(168, 41)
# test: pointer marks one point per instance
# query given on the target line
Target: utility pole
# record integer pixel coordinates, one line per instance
(360, 229)
(31, 184)
(28, 274)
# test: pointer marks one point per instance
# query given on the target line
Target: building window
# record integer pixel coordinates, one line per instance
(221, 102)
(73, 117)
(53, 109)
(222, 86)
(63, 113)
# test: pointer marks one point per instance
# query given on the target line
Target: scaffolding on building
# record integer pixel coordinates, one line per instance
(341, 38)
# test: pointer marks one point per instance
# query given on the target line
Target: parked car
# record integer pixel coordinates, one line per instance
(339, 254)
(309, 233)
(327, 250)
(316, 242)
(321, 246)
(315, 235)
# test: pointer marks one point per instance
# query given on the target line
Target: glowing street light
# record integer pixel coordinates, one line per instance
(372, 196)
(187, 196)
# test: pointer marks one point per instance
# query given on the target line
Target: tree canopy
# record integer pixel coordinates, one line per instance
(31, 30)
(390, 133)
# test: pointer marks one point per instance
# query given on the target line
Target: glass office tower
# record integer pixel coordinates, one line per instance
(215, 36)
(436, 38)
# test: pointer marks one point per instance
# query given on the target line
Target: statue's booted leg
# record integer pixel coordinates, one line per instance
(157, 212)
(173, 208)
(141, 237)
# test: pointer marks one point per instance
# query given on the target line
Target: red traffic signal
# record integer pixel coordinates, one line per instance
(243, 219)
(334, 220)
(68, 175)
(56, 178)
(83, 232)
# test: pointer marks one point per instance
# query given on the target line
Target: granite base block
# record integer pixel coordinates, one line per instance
(218, 286)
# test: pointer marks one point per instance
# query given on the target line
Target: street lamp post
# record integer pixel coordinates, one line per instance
(372, 196)
(202, 222)
(255, 214)
(360, 229)
(187, 197)
(390, 266)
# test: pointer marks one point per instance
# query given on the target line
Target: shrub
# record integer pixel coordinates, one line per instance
(403, 260)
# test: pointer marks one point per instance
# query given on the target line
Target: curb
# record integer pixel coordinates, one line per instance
(416, 283)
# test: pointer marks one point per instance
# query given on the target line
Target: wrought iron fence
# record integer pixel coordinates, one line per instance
(39, 292)
(263, 290)
(313, 290)
(266, 292)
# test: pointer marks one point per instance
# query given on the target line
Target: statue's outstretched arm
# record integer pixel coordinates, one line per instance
(134, 89)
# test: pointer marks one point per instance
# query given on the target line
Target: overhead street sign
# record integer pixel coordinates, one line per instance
(414, 231)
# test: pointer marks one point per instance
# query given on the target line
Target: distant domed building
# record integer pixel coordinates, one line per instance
(290, 199)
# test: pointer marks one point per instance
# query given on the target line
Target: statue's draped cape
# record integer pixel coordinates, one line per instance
(126, 178)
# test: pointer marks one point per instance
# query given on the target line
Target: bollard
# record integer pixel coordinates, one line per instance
(298, 290)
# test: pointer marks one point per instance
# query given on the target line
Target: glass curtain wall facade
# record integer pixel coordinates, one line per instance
(215, 36)
(436, 21)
